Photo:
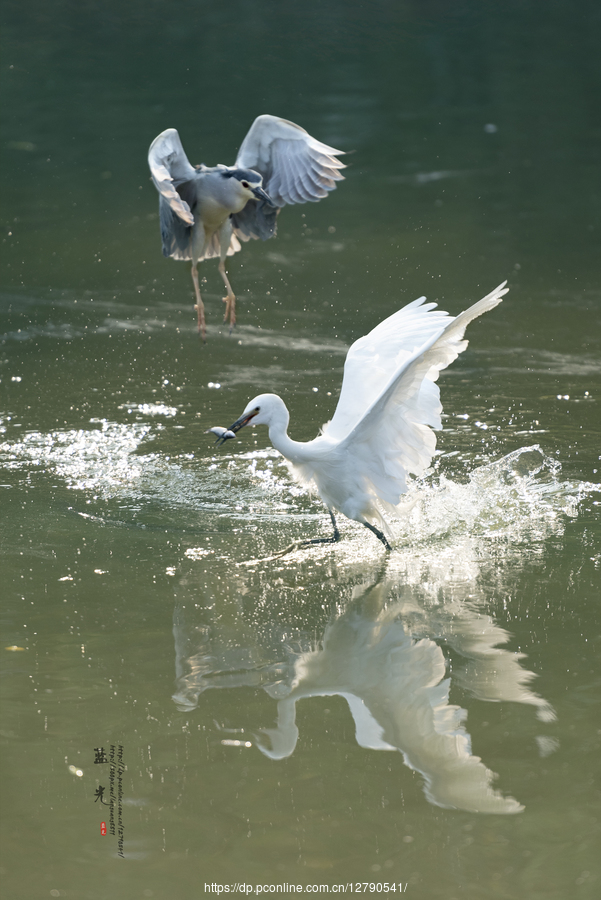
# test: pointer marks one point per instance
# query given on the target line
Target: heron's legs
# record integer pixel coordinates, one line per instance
(230, 300)
(199, 307)
(378, 534)
(226, 235)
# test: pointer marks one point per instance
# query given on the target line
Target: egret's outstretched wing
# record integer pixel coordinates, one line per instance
(295, 167)
(170, 168)
(394, 436)
(374, 357)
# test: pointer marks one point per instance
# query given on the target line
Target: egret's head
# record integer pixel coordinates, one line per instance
(246, 184)
(263, 410)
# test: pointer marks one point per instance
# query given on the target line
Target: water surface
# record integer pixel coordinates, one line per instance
(335, 715)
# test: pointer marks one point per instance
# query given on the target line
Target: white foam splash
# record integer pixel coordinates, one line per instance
(519, 497)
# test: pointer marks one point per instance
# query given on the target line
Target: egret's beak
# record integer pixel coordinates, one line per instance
(261, 195)
(238, 424)
(241, 422)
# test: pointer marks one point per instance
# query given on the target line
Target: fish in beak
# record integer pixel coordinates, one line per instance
(225, 434)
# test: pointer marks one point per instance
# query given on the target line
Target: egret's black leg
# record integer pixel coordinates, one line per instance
(378, 534)
(298, 544)
(331, 540)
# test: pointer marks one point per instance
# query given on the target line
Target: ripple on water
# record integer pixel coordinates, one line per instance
(519, 497)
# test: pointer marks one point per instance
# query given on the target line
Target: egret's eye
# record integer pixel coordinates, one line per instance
(245, 184)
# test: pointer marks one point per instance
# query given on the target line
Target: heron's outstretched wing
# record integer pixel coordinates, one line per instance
(394, 435)
(295, 167)
(256, 220)
(170, 168)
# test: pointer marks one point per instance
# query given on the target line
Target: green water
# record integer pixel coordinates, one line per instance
(134, 573)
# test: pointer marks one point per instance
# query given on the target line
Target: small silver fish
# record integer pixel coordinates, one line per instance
(223, 434)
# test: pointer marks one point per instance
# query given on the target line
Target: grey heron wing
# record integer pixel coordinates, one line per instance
(175, 233)
(295, 166)
(258, 220)
(169, 167)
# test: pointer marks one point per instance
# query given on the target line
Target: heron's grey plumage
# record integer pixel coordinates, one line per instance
(206, 212)
(295, 167)
(256, 220)
(170, 168)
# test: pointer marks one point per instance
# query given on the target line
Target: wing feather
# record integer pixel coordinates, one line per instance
(374, 356)
(395, 434)
(296, 168)
(169, 167)
(382, 427)
(257, 220)
(290, 188)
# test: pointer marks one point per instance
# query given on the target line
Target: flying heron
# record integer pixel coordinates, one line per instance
(206, 211)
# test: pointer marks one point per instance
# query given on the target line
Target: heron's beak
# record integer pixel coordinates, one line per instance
(261, 195)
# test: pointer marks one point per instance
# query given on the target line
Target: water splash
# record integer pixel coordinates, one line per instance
(94, 459)
(520, 497)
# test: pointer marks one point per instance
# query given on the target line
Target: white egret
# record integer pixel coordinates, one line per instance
(382, 427)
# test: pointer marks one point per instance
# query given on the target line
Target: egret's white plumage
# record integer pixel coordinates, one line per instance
(206, 212)
(382, 427)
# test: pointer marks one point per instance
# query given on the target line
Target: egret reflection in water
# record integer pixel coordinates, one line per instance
(383, 651)
(382, 643)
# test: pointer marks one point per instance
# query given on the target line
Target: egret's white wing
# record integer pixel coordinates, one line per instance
(169, 167)
(371, 360)
(394, 435)
(295, 167)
